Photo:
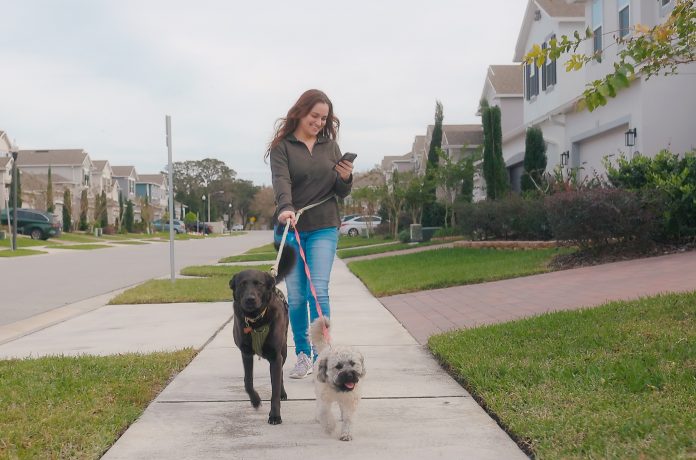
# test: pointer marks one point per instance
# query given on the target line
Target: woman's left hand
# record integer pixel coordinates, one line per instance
(344, 169)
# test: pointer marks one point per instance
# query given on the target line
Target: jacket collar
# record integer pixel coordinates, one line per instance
(320, 139)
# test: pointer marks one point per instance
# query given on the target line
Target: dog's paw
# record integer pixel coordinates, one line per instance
(346, 437)
(255, 400)
(274, 420)
(283, 396)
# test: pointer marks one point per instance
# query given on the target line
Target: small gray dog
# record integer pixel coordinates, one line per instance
(337, 378)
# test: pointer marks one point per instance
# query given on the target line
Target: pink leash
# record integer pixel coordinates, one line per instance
(311, 286)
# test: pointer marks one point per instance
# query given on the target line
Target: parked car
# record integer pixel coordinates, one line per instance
(348, 217)
(355, 225)
(237, 227)
(37, 224)
(161, 225)
(199, 227)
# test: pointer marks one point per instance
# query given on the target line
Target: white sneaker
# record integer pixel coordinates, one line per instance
(302, 368)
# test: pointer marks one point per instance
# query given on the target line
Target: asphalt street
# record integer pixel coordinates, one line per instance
(37, 284)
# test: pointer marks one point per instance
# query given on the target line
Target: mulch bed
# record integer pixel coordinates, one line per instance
(586, 258)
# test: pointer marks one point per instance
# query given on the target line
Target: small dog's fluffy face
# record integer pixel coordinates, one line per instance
(342, 368)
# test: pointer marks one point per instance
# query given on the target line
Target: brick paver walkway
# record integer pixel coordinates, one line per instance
(430, 312)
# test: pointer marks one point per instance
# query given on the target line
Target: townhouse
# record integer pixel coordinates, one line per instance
(649, 116)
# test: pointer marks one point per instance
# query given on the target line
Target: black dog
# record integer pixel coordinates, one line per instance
(261, 327)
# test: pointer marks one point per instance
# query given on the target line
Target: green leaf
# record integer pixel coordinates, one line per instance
(619, 80)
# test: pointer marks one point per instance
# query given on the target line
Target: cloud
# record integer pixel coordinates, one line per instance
(102, 75)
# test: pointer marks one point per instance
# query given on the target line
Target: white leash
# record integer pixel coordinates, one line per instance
(274, 268)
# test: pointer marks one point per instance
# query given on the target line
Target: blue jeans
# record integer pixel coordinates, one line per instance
(320, 248)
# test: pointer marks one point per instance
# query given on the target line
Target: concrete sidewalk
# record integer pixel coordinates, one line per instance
(411, 408)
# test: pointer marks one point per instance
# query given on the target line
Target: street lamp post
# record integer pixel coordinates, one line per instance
(208, 200)
(229, 216)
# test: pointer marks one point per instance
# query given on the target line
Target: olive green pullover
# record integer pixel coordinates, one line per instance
(301, 178)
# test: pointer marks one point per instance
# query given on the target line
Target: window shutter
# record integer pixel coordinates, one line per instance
(543, 70)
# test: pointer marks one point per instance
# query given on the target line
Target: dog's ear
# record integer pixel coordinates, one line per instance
(362, 366)
(233, 283)
(270, 281)
(321, 369)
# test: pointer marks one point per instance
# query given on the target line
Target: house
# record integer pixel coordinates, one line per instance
(657, 112)
(6, 163)
(127, 177)
(70, 169)
(460, 141)
(630, 124)
(103, 181)
(154, 187)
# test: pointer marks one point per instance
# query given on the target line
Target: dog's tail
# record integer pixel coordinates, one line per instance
(316, 333)
(287, 261)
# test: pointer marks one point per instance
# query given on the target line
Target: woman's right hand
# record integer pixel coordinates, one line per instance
(285, 215)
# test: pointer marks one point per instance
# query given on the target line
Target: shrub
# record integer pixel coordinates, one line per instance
(512, 218)
(672, 177)
(445, 232)
(595, 218)
(405, 236)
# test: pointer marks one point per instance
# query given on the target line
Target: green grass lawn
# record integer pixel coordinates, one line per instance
(63, 407)
(268, 252)
(448, 267)
(220, 270)
(77, 237)
(20, 252)
(617, 381)
(212, 287)
(380, 249)
(134, 243)
(22, 242)
(83, 247)
(249, 257)
(345, 242)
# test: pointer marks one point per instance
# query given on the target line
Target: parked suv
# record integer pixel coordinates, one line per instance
(199, 227)
(37, 224)
(354, 225)
(162, 225)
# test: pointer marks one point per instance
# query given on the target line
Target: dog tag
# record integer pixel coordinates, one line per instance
(247, 330)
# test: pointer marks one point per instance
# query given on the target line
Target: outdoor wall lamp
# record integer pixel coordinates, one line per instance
(565, 156)
(631, 135)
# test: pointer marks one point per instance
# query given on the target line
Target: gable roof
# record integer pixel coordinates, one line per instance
(388, 160)
(4, 160)
(124, 171)
(506, 79)
(65, 157)
(462, 134)
(156, 179)
(559, 10)
(99, 165)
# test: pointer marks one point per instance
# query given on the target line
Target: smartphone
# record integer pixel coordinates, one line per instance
(348, 157)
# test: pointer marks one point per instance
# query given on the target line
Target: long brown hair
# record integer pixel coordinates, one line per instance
(300, 109)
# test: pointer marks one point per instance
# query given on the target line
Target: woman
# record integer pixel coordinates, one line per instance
(307, 169)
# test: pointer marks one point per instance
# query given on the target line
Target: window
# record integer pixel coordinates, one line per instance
(665, 2)
(597, 27)
(531, 81)
(548, 72)
(624, 17)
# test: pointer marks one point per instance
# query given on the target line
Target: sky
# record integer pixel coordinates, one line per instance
(101, 75)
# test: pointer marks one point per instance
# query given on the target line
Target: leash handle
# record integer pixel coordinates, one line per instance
(274, 268)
